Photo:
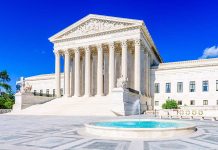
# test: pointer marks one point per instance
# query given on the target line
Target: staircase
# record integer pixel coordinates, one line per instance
(77, 106)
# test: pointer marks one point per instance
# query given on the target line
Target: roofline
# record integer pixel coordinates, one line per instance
(187, 64)
(139, 22)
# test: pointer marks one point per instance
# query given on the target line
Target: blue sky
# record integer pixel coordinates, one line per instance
(181, 29)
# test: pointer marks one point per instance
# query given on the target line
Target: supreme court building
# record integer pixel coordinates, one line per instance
(104, 55)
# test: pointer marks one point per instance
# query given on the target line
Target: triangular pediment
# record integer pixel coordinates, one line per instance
(93, 24)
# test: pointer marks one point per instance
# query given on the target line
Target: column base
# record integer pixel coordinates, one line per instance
(67, 96)
(87, 95)
(76, 96)
(99, 95)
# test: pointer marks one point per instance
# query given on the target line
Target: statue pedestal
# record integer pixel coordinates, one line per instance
(19, 101)
(24, 100)
(127, 102)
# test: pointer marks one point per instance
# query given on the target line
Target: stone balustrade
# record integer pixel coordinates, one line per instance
(3, 111)
(191, 113)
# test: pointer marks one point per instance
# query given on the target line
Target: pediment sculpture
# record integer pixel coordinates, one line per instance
(94, 26)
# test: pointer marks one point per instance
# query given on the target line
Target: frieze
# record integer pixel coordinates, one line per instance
(93, 26)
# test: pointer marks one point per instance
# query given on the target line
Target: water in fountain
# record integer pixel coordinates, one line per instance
(136, 108)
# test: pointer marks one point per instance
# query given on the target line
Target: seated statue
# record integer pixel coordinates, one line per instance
(25, 87)
(121, 82)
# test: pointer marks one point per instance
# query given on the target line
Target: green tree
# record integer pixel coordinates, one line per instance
(4, 79)
(170, 104)
(6, 97)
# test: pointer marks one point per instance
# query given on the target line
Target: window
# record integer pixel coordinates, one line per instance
(157, 88)
(205, 86)
(41, 92)
(216, 85)
(168, 87)
(205, 102)
(192, 102)
(156, 103)
(179, 102)
(53, 92)
(47, 92)
(34, 92)
(192, 86)
(179, 87)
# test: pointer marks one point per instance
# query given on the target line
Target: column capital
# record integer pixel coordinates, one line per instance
(57, 52)
(99, 47)
(77, 50)
(111, 45)
(143, 45)
(87, 49)
(124, 43)
(66, 52)
(137, 42)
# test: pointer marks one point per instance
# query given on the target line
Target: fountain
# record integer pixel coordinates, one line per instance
(140, 129)
(136, 108)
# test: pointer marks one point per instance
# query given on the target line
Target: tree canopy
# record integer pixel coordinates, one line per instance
(170, 104)
(4, 79)
(6, 96)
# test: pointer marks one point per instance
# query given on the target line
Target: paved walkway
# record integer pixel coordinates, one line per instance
(52, 132)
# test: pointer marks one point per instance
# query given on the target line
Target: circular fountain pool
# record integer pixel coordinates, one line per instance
(135, 128)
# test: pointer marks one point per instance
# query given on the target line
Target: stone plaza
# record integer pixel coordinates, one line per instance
(53, 132)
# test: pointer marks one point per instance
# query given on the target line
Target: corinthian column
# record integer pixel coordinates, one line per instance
(137, 65)
(149, 74)
(111, 67)
(124, 59)
(57, 73)
(87, 72)
(100, 71)
(146, 73)
(77, 72)
(67, 73)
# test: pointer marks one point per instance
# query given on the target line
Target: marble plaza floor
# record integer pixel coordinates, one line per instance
(56, 132)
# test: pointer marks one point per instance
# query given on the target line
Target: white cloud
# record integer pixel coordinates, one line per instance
(210, 52)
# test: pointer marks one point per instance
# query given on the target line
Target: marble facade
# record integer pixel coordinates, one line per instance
(98, 51)
(103, 55)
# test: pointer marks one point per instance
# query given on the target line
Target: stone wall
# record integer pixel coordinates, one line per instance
(198, 71)
(3, 111)
(24, 100)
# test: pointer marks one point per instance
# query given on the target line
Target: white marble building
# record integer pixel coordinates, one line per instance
(102, 53)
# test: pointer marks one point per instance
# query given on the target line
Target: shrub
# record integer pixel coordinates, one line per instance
(170, 104)
(6, 101)
(8, 104)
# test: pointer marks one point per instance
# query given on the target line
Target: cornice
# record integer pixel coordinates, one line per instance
(147, 36)
(97, 34)
(187, 64)
(133, 24)
(42, 77)
(93, 16)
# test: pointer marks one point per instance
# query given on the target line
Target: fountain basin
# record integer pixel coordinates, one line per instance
(140, 129)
